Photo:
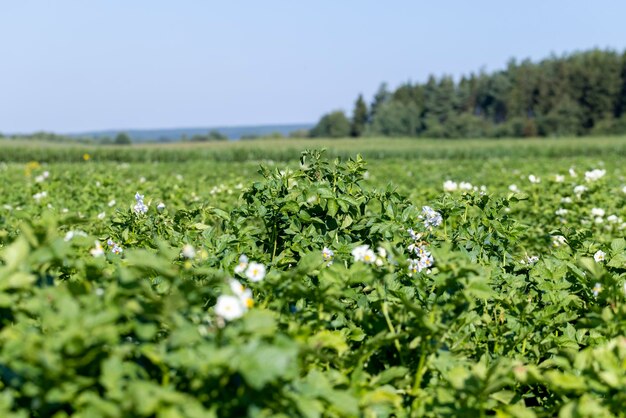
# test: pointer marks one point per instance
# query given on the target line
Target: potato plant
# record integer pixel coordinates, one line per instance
(314, 288)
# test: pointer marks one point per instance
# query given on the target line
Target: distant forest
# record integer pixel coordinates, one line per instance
(576, 94)
(125, 137)
(582, 93)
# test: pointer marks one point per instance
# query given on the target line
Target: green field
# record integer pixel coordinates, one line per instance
(286, 150)
(507, 298)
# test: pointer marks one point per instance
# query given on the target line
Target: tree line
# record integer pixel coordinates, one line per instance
(121, 138)
(582, 93)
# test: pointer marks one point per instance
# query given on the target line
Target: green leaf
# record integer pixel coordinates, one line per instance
(390, 375)
(332, 207)
(261, 364)
(503, 396)
(565, 381)
(17, 280)
(329, 339)
(618, 245)
(15, 254)
(260, 322)
(617, 261)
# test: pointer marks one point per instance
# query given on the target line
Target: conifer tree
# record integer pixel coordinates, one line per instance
(359, 117)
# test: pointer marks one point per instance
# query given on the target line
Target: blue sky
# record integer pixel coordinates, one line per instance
(76, 65)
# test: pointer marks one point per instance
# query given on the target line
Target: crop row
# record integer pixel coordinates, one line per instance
(322, 287)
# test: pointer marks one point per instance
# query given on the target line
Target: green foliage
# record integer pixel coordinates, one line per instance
(359, 117)
(213, 135)
(300, 133)
(396, 119)
(611, 126)
(375, 148)
(381, 96)
(332, 125)
(122, 138)
(47, 137)
(486, 330)
(564, 119)
(577, 94)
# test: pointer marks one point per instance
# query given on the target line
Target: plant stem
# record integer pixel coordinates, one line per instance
(417, 384)
(390, 326)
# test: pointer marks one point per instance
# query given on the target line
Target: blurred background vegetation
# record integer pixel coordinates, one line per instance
(577, 94)
(582, 93)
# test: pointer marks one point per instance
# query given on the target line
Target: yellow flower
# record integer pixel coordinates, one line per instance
(30, 166)
(86, 157)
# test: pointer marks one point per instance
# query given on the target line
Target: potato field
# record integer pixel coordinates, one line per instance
(386, 278)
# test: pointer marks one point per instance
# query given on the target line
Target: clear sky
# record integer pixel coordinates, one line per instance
(76, 65)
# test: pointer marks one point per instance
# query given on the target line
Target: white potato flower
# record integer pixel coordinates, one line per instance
(229, 307)
(597, 212)
(327, 254)
(364, 253)
(599, 256)
(465, 186)
(255, 272)
(244, 294)
(431, 217)
(242, 265)
(529, 260)
(414, 235)
(188, 251)
(450, 186)
(40, 195)
(359, 252)
(369, 256)
(579, 190)
(597, 289)
(71, 234)
(140, 207)
(97, 251)
(594, 175)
